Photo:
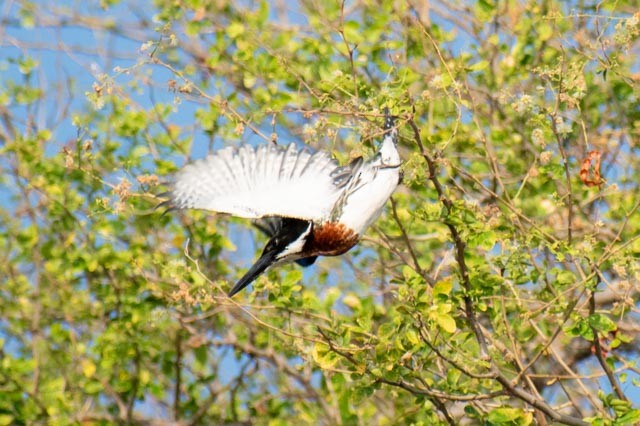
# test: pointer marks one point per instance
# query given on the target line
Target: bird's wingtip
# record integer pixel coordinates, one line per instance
(169, 204)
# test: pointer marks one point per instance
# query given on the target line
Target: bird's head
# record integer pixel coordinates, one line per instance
(287, 245)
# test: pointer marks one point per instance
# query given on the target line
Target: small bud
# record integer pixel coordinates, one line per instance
(545, 157)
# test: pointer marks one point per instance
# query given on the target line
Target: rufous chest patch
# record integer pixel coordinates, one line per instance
(331, 239)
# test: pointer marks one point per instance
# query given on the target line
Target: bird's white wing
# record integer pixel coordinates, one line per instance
(269, 180)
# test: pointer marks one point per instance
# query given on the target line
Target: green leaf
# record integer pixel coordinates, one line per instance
(352, 300)
(479, 66)
(325, 359)
(352, 32)
(580, 328)
(485, 9)
(6, 419)
(471, 411)
(88, 367)
(93, 387)
(602, 323)
(564, 277)
(263, 12)
(235, 29)
(453, 376)
(249, 81)
(446, 322)
(201, 355)
(505, 415)
(412, 337)
(629, 418)
(443, 287)
(27, 64)
(485, 240)
(545, 31)
(292, 277)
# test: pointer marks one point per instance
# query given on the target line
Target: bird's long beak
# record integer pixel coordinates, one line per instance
(266, 259)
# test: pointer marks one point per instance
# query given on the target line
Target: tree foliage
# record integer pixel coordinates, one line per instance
(499, 287)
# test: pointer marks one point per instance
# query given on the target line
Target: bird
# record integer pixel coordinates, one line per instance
(306, 203)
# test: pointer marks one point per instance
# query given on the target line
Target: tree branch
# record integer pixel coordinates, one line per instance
(598, 347)
(469, 305)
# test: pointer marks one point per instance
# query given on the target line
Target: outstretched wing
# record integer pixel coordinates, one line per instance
(269, 180)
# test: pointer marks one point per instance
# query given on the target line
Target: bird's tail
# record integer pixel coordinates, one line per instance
(390, 128)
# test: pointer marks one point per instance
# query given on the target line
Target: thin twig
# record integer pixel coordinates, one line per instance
(459, 244)
(178, 372)
(598, 348)
(407, 241)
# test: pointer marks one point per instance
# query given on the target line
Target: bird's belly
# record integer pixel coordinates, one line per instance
(364, 206)
(331, 239)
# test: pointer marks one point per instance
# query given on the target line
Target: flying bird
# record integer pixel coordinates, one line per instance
(306, 203)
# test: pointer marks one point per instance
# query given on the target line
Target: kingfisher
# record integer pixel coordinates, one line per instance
(303, 200)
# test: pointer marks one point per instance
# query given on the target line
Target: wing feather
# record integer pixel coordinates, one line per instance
(253, 182)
